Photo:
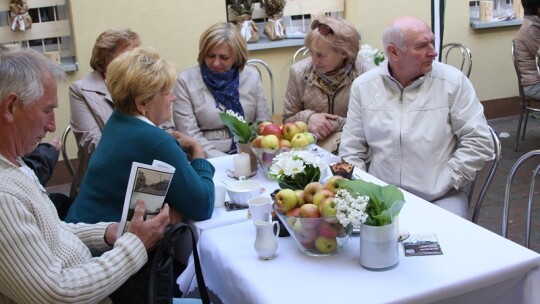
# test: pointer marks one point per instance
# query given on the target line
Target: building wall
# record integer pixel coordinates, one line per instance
(173, 28)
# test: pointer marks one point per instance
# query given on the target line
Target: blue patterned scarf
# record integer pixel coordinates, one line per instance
(224, 88)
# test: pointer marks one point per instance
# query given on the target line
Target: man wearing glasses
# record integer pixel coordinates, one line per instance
(417, 123)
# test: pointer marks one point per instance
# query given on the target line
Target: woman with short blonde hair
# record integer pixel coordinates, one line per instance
(219, 82)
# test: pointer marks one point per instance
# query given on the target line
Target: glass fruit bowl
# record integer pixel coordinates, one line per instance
(265, 156)
(320, 236)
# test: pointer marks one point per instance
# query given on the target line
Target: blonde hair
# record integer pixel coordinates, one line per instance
(138, 75)
(224, 32)
(108, 44)
(344, 39)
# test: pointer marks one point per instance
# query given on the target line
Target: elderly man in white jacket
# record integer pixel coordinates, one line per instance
(417, 123)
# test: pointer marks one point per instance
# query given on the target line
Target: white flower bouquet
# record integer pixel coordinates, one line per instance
(360, 202)
(371, 54)
(295, 169)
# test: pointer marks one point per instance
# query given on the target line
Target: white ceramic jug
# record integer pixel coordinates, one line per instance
(266, 240)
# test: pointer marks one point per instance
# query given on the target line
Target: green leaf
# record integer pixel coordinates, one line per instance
(241, 130)
(385, 202)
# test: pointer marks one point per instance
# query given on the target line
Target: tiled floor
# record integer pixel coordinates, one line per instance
(491, 212)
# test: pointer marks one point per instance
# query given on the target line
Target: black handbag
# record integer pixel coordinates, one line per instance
(161, 280)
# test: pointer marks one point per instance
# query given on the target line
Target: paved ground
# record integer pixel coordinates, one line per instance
(491, 212)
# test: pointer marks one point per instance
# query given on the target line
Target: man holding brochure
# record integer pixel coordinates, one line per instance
(45, 260)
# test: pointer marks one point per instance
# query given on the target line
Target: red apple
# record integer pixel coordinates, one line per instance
(290, 129)
(285, 200)
(331, 184)
(304, 234)
(310, 190)
(261, 126)
(292, 215)
(327, 229)
(309, 215)
(270, 142)
(325, 244)
(321, 195)
(272, 129)
(256, 143)
(284, 144)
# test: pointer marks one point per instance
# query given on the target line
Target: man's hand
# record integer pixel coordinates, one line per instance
(192, 148)
(319, 124)
(150, 231)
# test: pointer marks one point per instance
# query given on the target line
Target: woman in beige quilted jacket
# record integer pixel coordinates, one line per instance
(318, 88)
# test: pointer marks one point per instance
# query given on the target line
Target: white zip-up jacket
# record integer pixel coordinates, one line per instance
(427, 138)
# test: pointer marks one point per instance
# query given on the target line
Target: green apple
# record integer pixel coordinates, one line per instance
(332, 184)
(328, 210)
(311, 137)
(302, 125)
(290, 129)
(300, 196)
(321, 195)
(300, 140)
(310, 190)
(285, 200)
(270, 142)
(325, 244)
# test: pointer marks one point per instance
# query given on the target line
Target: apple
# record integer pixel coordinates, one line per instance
(300, 196)
(328, 210)
(332, 184)
(302, 125)
(285, 200)
(311, 137)
(309, 215)
(304, 234)
(342, 231)
(270, 142)
(261, 125)
(284, 144)
(310, 190)
(328, 230)
(300, 140)
(290, 129)
(256, 143)
(321, 195)
(325, 244)
(292, 215)
(272, 129)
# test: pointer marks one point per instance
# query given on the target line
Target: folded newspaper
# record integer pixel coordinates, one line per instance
(148, 183)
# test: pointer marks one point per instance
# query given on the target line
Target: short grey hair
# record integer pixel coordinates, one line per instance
(394, 34)
(24, 72)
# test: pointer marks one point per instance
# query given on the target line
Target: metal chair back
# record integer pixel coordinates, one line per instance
(457, 55)
(260, 65)
(489, 179)
(300, 54)
(510, 179)
(527, 104)
(65, 156)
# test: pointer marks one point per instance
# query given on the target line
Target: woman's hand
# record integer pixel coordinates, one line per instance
(320, 125)
(192, 148)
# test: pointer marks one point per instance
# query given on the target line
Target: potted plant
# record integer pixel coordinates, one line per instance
(372, 209)
(243, 10)
(274, 28)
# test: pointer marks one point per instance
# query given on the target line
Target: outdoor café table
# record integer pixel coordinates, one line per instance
(477, 266)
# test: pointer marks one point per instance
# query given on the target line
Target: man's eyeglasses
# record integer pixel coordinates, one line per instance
(323, 28)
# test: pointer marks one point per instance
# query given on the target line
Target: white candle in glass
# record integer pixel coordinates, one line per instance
(242, 165)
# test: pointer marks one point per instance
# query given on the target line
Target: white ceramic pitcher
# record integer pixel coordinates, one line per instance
(266, 240)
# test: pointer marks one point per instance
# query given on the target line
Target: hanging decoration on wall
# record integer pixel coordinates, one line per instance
(19, 18)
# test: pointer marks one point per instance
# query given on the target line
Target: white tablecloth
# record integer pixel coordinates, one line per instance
(477, 266)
